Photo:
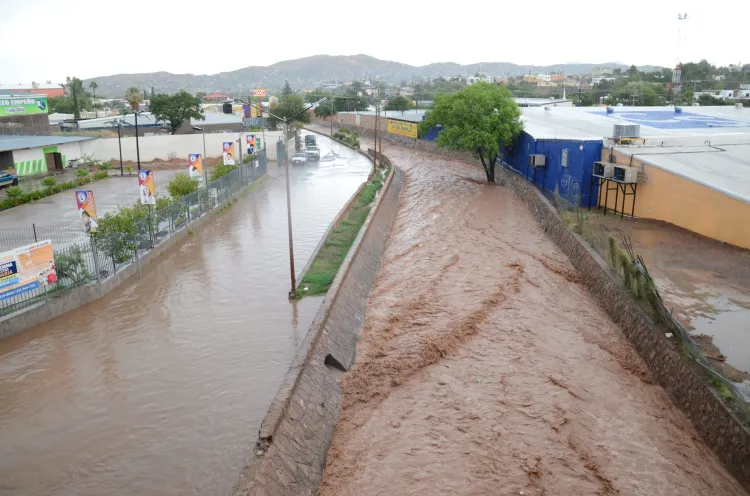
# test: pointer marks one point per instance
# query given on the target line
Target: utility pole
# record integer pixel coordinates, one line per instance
(293, 291)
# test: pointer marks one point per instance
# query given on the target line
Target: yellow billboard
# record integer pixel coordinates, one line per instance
(404, 128)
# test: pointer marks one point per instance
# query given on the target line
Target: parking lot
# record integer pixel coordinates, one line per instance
(60, 209)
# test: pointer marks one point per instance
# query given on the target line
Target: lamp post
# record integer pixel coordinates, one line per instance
(119, 142)
(137, 147)
(286, 121)
(205, 168)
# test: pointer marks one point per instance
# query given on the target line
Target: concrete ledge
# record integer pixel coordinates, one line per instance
(296, 433)
(70, 300)
(715, 423)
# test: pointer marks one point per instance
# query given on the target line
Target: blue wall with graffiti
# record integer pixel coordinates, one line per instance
(570, 175)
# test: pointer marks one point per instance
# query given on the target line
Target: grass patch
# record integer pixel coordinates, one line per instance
(326, 265)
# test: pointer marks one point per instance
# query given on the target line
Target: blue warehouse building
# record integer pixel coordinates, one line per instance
(568, 165)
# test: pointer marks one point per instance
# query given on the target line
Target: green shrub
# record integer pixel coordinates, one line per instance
(15, 194)
(83, 176)
(6, 204)
(68, 185)
(118, 231)
(35, 195)
(220, 171)
(71, 266)
(181, 185)
(49, 183)
(129, 170)
(100, 175)
(105, 166)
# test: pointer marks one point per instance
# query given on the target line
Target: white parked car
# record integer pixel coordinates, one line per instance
(299, 158)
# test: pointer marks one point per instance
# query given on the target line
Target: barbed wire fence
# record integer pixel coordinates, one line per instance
(82, 258)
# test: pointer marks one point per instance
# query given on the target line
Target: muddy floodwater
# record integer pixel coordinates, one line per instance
(159, 388)
(485, 367)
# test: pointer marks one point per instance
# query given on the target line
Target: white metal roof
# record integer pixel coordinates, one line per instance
(19, 142)
(708, 145)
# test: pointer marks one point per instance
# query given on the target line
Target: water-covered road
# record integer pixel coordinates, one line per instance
(159, 388)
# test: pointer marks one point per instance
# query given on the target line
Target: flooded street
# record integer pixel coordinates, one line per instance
(159, 387)
(485, 367)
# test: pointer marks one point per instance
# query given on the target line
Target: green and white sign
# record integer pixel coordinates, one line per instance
(22, 105)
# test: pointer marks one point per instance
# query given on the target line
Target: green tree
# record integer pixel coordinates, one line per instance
(74, 87)
(287, 89)
(176, 109)
(290, 106)
(324, 109)
(200, 94)
(481, 119)
(134, 97)
(181, 184)
(93, 87)
(398, 103)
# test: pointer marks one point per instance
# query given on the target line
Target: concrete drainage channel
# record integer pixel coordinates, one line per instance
(296, 433)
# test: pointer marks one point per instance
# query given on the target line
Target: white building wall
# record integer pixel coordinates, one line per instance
(165, 147)
(30, 161)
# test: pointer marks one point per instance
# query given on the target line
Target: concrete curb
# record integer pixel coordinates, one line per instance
(294, 437)
(34, 315)
(716, 424)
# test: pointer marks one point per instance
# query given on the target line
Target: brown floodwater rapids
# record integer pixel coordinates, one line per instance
(484, 366)
(159, 388)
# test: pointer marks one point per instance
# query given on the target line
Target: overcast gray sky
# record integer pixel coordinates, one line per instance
(50, 39)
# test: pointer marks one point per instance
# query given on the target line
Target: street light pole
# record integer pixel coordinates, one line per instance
(119, 144)
(293, 292)
(137, 148)
(285, 121)
(205, 166)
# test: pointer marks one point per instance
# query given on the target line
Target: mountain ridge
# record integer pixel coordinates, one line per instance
(309, 72)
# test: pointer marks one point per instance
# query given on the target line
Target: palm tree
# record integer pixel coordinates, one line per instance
(93, 87)
(134, 97)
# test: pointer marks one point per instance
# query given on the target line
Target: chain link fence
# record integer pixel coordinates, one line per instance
(82, 258)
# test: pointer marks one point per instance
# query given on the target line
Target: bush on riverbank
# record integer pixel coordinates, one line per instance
(347, 136)
(326, 265)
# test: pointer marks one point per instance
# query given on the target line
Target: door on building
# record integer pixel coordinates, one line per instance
(53, 158)
(54, 161)
(6, 160)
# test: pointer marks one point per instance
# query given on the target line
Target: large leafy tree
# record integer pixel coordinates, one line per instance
(481, 119)
(398, 103)
(287, 89)
(134, 97)
(176, 109)
(292, 107)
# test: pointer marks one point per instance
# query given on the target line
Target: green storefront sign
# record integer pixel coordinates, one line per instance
(22, 105)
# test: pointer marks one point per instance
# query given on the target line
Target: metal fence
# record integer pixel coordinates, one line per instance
(81, 258)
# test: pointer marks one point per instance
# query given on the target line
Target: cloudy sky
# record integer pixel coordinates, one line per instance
(51, 39)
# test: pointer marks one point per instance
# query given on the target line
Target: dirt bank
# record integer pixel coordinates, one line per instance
(484, 367)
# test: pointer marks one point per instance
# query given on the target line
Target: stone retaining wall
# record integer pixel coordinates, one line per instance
(296, 433)
(718, 427)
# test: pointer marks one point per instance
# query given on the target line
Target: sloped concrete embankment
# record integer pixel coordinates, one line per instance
(718, 427)
(294, 437)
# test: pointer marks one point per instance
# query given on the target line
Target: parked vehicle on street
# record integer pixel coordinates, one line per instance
(8, 180)
(299, 158)
(310, 140)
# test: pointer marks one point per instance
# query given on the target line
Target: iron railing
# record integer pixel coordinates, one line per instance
(82, 258)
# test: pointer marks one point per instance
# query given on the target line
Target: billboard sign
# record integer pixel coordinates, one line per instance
(403, 128)
(22, 105)
(195, 166)
(273, 100)
(146, 187)
(87, 210)
(260, 92)
(252, 144)
(228, 152)
(26, 268)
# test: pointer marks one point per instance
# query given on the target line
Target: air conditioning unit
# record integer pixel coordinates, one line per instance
(625, 174)
(537, 160)
(603, 169)
(627, 131)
